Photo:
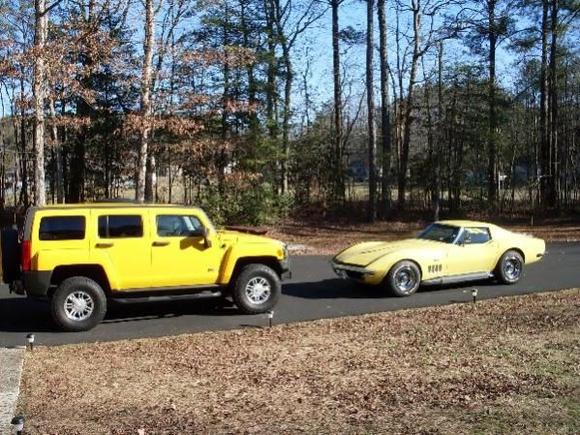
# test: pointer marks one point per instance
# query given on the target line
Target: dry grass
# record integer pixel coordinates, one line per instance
(510, 364)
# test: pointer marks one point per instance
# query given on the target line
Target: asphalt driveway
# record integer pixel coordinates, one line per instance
(313, 293)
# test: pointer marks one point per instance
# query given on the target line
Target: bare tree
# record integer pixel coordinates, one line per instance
(146, 106)
(39, 92)
(385, 113)
(372, 145)
(338, 188)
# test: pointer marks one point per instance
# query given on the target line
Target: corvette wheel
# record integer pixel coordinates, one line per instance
(510, 267)
(404, 278)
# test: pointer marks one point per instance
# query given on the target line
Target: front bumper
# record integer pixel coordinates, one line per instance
(284, 266)
(350, 271)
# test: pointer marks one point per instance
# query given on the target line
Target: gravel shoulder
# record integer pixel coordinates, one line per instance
(507, 364)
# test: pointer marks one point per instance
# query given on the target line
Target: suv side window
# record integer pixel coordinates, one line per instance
(62, 228)
(476, 236)
(178, 226)
(120, 226)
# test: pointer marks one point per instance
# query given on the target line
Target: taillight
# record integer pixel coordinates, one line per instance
(26, 255)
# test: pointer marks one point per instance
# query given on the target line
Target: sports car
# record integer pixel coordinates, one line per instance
(445, 252)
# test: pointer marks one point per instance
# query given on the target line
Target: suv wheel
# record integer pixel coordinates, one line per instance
(78, 304)
(256, 289)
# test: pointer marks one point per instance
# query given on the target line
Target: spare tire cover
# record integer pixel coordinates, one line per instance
(10, 255)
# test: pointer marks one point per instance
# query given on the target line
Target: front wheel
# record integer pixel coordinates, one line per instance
(403, 279)
(510, 268)
(256, 289)
(78, 304)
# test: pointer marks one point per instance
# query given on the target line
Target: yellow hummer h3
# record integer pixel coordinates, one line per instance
(82, 255)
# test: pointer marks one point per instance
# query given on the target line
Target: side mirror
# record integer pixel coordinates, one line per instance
(206, 239)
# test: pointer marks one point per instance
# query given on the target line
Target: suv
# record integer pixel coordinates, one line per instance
(80, 256)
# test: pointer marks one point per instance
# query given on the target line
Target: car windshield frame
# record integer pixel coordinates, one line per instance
(420, 236)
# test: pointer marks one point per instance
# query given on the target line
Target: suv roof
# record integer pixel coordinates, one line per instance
(111, 205)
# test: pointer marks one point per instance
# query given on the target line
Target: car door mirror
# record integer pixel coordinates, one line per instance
(206, 239)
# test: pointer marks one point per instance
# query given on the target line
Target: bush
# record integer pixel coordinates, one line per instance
(249, 202)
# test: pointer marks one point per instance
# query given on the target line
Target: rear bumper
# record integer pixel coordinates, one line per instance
(36, 283)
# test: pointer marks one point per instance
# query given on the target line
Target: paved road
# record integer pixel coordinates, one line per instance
(313, 293)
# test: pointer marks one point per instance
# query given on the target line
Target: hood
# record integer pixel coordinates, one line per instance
(368, 252)
(232, 237)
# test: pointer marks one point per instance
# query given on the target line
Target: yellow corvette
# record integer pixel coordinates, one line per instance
(445, 252)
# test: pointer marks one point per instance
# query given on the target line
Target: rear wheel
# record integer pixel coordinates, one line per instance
(510, 268)
(256, 289)
(403, 279)
(78, 304)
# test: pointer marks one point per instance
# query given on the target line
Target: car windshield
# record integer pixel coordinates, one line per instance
(440, 233)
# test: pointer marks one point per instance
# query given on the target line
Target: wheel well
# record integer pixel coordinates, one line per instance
(271, 262)
(410, 261)
(92, 271)
(519, 251)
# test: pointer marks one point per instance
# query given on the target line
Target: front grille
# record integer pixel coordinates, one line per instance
(354, 275)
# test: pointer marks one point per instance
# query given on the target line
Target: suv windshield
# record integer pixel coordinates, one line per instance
(440, 233)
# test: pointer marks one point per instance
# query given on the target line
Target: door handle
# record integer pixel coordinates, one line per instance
(160, 243)
(105, 245)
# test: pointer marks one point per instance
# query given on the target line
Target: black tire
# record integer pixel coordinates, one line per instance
(395, 280)
(510, 267)
(259, 274)
(79, 288)
(10, 255)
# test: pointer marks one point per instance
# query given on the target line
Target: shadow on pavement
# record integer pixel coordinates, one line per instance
(20, 314)
(332, 289)
(345, 289)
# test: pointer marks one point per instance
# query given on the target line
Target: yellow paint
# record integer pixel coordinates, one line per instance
(375, 259)
(141, 263)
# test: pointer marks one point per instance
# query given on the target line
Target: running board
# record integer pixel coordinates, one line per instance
(168, 298)
(458, 278)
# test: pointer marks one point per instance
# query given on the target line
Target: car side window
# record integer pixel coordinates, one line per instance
(120, 226)
(62, 228)
(178, 226)
(476, 236)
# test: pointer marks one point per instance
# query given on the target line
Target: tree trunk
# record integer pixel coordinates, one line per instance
(24, 197)
(372, 146)
(492, 127)
(39, 92)
(554, 191)
(271, 100)
(58, 155)
(286, 113)
(436, 191)
(544, 169)
(146, 107)
(338, 190)
(408, 109)
(385, 114)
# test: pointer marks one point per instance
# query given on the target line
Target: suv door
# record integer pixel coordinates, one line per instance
(180, 256)
(122, 240)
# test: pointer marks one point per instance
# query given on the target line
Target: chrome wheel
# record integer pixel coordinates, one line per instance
(405, 279)
(512, 268)
(258, 290)
(79, 306)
